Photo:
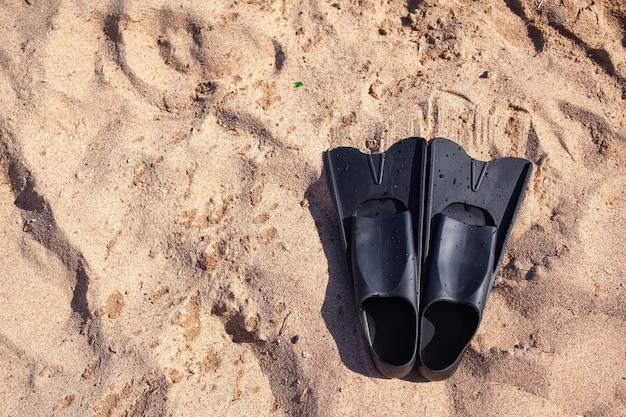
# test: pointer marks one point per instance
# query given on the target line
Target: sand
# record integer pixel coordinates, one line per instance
(169, 245)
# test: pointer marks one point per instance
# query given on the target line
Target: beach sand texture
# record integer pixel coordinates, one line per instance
(169, 244)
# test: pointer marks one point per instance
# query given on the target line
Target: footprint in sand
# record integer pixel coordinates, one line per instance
(195, 55)
(497, 130)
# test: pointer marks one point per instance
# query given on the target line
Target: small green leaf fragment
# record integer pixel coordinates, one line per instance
(298, 84)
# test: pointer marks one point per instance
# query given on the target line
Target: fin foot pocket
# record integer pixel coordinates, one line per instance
(384, 269)
(468, 214)
(447, 329)
(391, 325)
(380, 207)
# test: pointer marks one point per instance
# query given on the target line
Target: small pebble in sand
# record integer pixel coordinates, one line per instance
(306, 355)
(295, 339)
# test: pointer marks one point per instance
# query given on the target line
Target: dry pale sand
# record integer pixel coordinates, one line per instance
(169, 245)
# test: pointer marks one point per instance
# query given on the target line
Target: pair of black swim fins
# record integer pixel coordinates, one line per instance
(424, 228)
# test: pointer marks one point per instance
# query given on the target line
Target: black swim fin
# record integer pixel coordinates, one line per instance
(379, 199)
(470, 210)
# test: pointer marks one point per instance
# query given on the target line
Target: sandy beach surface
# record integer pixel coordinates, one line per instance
(169, 245)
